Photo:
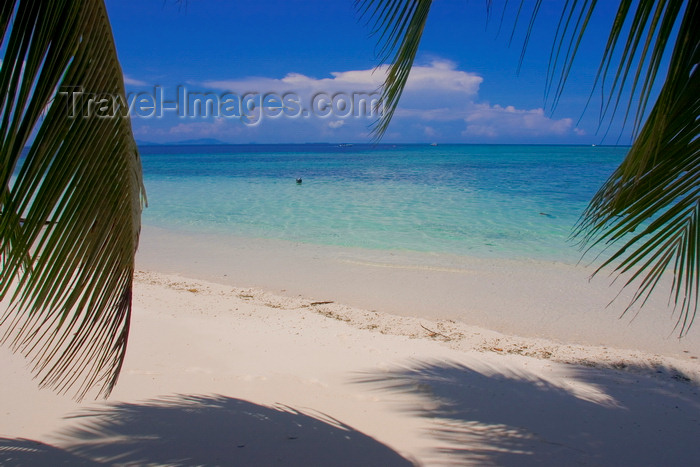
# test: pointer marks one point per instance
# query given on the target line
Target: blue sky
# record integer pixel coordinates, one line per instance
(464, 88)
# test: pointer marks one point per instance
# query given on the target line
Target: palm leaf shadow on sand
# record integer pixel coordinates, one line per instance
(26, 452)
(202, 430)
(597, 417)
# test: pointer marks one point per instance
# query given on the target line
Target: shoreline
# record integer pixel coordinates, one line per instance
(255, 352)
(454, 335)
(529, 298)
(219, 374)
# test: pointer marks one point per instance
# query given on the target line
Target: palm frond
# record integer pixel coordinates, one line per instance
(639, 37)
(70, 207)
(651, 203)
(399, 24)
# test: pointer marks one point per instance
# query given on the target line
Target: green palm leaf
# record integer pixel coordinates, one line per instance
(400, 24)
(650, 205)
(71, 206)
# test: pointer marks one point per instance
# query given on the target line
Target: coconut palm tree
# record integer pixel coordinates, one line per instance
(648, 210)
(71, 204)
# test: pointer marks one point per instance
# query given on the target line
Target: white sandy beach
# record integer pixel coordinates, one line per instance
(236, 358)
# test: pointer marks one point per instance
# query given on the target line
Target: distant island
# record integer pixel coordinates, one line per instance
(201, 141)
(191, 142)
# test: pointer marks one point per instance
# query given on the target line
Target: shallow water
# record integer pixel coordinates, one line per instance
(514, 202)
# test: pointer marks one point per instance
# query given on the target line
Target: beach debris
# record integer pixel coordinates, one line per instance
(333, 315)
(321, 303)
(434, 334)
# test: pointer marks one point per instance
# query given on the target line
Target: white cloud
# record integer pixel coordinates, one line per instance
(443, 114)
(442, 75)
(437, 76)
(440, 102)
(336, 123)
(129, 81)
(493, 121)
(218, 128)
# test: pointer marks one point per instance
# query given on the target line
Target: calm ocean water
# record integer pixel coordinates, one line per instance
(486, 201)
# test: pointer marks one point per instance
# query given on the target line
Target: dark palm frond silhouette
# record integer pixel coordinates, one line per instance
(71, 203)
(648, 209)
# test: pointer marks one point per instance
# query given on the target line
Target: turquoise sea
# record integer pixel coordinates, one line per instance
(510, 201)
